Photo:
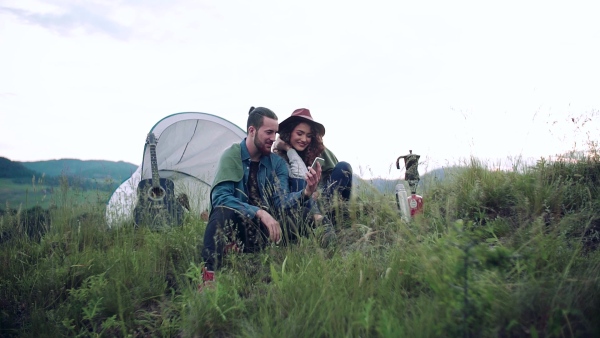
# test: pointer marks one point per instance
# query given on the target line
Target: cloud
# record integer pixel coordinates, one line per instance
(4, 95)
(71, 19)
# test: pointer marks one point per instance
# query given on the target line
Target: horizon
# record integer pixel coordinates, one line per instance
(515, 163)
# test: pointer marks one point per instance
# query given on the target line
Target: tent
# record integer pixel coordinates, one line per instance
(188, 148)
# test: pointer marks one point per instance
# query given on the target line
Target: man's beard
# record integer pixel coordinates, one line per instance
(260, 147)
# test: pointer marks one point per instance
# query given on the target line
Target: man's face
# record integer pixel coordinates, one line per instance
(265, 135)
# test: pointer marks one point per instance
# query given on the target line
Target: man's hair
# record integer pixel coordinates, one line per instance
(256, 115)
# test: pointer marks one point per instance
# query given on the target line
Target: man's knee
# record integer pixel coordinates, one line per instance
(220, 215)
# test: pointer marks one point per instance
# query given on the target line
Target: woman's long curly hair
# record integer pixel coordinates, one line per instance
(314, 149)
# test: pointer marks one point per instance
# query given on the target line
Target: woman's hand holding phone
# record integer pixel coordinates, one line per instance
(319, 160)
(313, 177)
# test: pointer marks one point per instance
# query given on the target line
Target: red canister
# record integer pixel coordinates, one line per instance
(415, 203)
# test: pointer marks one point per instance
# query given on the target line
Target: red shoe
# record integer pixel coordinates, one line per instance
(208, 280)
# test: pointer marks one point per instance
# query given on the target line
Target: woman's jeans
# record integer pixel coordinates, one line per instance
(339, 182)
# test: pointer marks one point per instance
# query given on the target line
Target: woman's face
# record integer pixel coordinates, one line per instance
(301, 136)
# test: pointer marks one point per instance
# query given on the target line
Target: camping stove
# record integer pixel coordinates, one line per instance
(415, 202)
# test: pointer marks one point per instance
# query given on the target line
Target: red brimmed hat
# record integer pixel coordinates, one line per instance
(301, 115)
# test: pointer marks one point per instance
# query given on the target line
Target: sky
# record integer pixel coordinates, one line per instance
(449, 80)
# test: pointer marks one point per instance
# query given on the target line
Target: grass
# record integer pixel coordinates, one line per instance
(37, 193)
(495, 254)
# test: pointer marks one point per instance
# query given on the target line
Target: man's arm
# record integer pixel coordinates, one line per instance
(223, 194)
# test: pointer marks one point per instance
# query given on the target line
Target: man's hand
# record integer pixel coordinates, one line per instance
(312, 180)
(271, 224)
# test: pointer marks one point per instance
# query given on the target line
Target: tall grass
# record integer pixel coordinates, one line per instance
(495, 253)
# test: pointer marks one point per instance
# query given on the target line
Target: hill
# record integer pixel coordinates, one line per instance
(10, 169)
(30, 184)
(387, 186)
(91, 169)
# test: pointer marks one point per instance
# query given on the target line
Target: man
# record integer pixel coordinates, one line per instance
(250, 193)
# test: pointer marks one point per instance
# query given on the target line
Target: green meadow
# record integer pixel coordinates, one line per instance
(38, 194)
(495, 254)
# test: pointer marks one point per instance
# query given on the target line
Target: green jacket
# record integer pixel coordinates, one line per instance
(230, 186)
(230, 166)
(330, 162)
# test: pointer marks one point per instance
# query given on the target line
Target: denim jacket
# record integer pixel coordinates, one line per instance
(273, 186)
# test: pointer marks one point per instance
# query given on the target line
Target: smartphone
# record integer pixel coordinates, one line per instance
(318, 159)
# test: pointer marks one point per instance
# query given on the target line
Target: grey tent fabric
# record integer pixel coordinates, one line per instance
(187, 152)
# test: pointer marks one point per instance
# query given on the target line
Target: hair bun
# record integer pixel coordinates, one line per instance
(251, 109)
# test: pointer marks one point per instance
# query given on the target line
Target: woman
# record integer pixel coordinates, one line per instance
(300, 142)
